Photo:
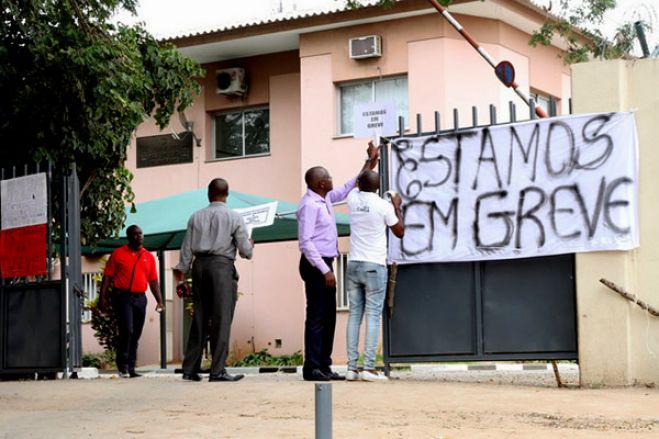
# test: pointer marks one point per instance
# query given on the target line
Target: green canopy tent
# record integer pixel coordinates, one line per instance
(164, 220)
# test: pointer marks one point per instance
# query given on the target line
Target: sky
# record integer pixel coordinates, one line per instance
(176, 17)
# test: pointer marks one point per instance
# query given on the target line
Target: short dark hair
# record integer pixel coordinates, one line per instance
(130, 229)
(313, 175)
(218, 187)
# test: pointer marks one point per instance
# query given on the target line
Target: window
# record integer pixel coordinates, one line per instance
(341, 272)
(351, 94)
(543, 101)
(242, 133)
(90, 284)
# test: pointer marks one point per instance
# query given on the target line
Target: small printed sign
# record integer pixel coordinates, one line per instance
(374, 119)
(262, 215)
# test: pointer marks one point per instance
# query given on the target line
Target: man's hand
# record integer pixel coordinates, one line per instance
(160, 307)
(183, 289)
(373, 153)
(330, 280)
(103, 304)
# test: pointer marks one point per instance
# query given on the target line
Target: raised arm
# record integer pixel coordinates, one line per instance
(397, 228)
(372, 157)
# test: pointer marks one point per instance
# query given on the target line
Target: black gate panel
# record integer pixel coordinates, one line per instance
(431, 302)
(529, 305)
(33, 327)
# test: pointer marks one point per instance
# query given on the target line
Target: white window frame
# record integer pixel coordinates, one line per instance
(242, 112)
(372, 81)
(340, 267)
(543, 100)
(90, 285)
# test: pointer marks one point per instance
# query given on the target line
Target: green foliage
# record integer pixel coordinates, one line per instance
(104, 325)
(103, 361)
(263, 358)
(579, 26)
(75, 87)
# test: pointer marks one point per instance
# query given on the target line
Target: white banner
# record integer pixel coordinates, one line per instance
(542, 187)
(24, 201)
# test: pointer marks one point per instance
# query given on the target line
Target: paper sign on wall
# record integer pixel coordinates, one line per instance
(374, 119)
(542, 187)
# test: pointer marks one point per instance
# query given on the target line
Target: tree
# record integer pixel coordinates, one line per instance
(74, 87)
(578, 24)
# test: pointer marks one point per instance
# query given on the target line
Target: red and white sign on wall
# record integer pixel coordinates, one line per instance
(23, 212)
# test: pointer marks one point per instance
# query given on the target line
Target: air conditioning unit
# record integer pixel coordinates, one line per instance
(231, 81)
(366, 47)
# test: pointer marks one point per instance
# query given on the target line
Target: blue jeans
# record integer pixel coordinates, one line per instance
(366, 291)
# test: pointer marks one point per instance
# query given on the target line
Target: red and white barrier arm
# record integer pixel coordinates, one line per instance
(447, 15)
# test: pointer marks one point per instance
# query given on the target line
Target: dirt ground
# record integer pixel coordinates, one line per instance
(282, 406)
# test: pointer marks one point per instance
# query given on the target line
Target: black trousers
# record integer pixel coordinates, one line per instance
(214, 292)
(130, 310)
(320, 319)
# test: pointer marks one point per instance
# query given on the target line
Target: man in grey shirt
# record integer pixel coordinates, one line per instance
(213, 235)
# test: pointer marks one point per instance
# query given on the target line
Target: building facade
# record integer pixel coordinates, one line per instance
(296, 112)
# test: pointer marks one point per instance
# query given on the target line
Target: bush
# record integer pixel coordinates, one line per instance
(104, 325)
(263, 358)
(102, 361)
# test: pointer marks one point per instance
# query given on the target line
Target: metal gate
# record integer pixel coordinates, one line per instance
(515, 309)
(40, 318)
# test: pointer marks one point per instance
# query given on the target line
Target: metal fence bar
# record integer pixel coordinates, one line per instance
(438, 126)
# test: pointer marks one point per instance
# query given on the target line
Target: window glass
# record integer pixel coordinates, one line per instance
(229, 135)
(352, 95)
(257, 129)
(394, 90)
(242, 133)
(390, 89)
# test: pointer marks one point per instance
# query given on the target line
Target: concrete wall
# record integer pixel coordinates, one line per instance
(618, 341)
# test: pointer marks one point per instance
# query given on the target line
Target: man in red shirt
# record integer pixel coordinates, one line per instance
(129, 270)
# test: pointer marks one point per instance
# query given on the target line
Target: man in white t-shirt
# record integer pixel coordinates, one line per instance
(370, 216)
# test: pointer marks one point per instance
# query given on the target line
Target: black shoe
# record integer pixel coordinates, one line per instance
(191, 377)
(333, 375)
(133, 374)
(224, 376)
(315, 375)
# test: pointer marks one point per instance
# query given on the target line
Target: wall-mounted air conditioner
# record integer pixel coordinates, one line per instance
(231, 81)
(366, 47)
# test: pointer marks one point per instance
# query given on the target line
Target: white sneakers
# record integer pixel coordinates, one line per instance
(372, 376)
(365, 375)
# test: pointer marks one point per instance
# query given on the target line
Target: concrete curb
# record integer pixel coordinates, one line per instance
(90, 373)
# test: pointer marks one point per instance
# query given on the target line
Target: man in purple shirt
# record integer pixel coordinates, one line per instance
(319, 245)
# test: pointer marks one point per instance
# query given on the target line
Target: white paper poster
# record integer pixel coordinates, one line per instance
(24, 201)
(542, 187)
(374, 119)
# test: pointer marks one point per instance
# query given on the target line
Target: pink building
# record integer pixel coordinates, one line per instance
(301, 86)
